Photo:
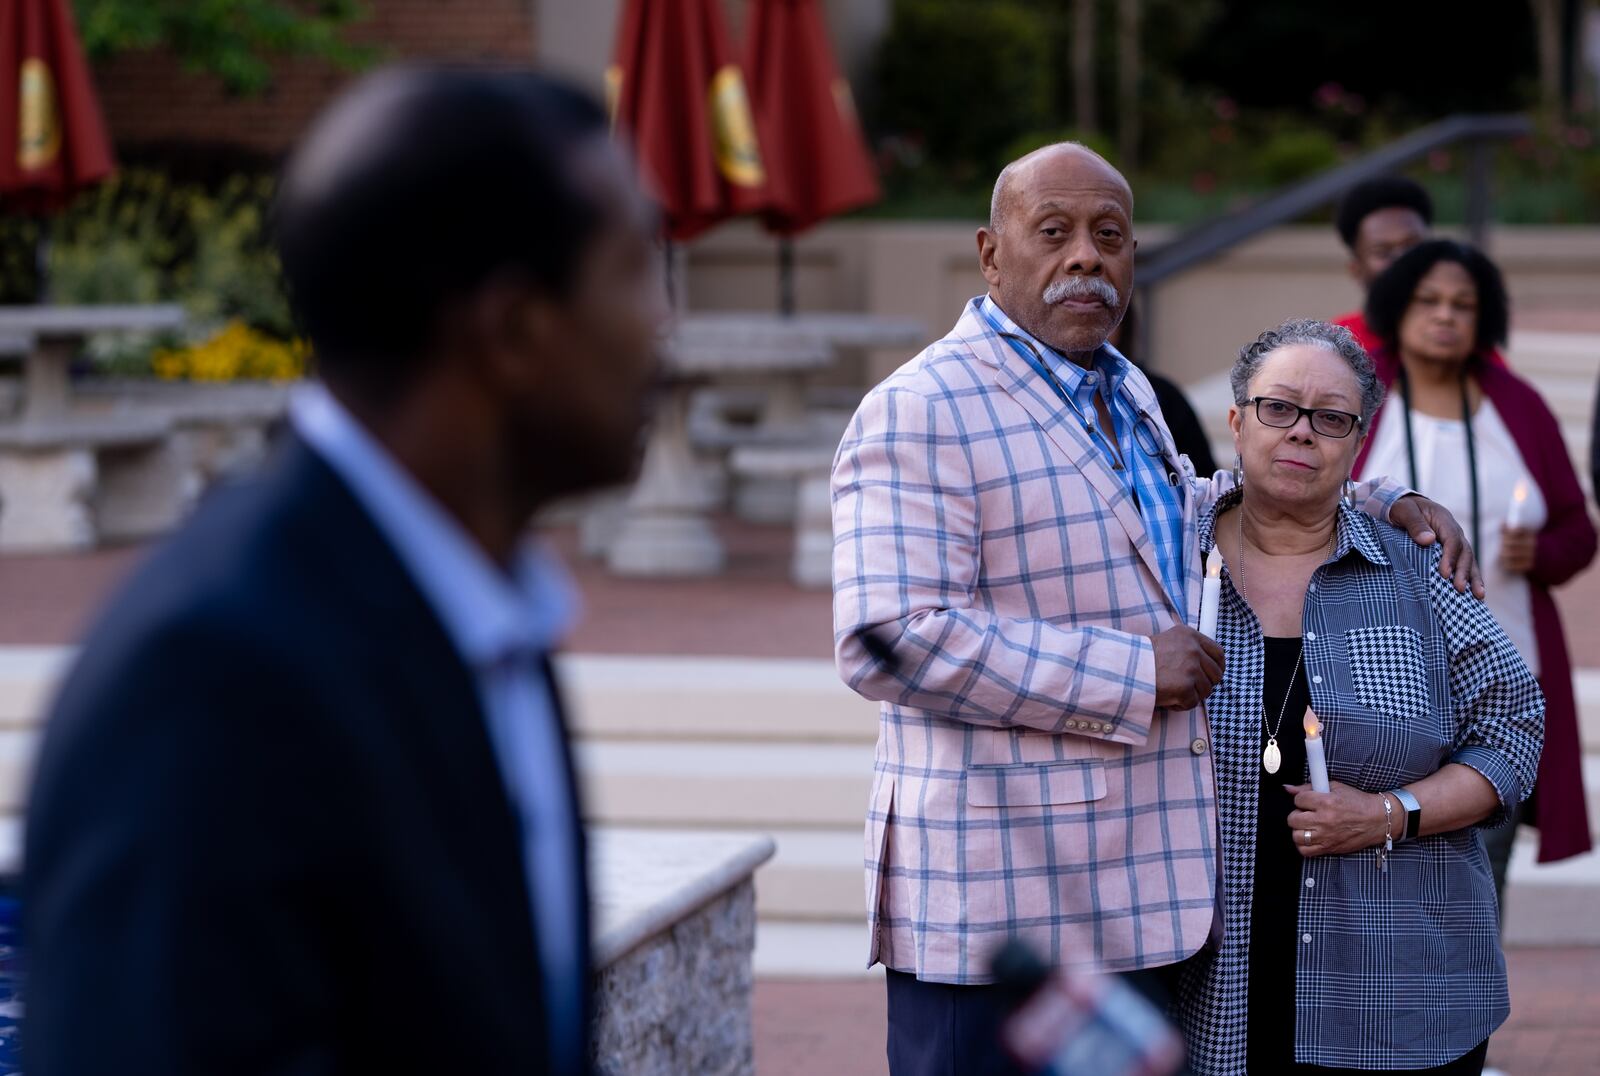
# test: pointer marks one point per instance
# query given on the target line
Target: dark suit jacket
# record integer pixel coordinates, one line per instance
(268, 833)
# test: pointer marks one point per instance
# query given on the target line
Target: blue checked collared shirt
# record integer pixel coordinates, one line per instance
(1145, 475)
(1396, 969)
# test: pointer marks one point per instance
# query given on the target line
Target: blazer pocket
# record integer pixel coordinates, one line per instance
(1034, 784)
(1388, 671)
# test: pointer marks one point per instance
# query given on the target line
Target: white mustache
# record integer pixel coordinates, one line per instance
(1082, 287)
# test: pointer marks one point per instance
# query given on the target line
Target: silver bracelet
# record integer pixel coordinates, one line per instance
(1413, 813)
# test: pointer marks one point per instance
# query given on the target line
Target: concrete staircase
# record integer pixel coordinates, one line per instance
(780, 747)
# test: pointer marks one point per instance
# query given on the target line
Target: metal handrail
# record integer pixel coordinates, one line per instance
(1211, 239)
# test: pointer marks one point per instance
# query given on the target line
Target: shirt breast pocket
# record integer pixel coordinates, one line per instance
(1389, 671)
(1405, 735)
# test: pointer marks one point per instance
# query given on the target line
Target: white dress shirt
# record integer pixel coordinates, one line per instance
(1443, 476)
(503, 626)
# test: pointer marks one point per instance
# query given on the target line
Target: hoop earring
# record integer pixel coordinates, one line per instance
(1350, 492)
(1238, 471)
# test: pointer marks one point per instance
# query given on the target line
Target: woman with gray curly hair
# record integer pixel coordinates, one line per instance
(1359, 922)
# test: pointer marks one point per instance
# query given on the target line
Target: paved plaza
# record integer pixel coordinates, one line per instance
(752, 610)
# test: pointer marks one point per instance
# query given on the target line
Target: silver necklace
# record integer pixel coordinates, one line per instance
(1271, 756)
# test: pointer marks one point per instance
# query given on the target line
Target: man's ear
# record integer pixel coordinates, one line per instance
(988, 255)
(511, 325)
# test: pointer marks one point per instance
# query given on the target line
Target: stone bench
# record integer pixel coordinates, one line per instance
(675, 929)
(804, 470)
(67, 483)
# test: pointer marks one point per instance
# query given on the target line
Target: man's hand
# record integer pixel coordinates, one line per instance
(1517, 547)
(1342, 819)
(1426, 522)
(1188, 666)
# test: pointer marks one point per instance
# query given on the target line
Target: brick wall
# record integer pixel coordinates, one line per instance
(150, 100)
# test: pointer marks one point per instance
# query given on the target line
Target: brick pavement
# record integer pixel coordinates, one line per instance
(837, 1026)
(751, 610)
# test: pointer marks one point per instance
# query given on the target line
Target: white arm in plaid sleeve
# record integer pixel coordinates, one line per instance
(907, 571)
(1499, 706)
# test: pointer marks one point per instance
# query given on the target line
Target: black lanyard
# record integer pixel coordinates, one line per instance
(1472, 448)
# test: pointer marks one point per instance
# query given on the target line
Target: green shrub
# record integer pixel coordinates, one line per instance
(965, 78)
(1293, 154)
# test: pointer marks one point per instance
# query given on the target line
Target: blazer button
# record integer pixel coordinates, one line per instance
(1198, 747)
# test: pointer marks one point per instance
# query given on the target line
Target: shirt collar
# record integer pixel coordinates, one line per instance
(1108, 365)
(489, 614)
(1356, 530)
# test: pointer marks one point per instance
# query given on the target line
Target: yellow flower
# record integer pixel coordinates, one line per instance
(235, 352)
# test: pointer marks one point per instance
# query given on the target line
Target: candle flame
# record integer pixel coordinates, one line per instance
(1519, 492)
(1312, 726)
(1214, 563)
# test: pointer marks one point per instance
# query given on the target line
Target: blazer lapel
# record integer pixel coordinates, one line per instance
(430, 697)
(1062, 425)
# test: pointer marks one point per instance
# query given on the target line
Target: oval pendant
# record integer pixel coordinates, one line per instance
(1272, 758)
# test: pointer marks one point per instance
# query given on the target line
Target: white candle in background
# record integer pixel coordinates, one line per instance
(1517, 514)
(1316, 761)
(1211, 593)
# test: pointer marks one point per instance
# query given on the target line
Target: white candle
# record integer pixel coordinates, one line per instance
(1517, 514)
(1316, 761)
(1211, 594)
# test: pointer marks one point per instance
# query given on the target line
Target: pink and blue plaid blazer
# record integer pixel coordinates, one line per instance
(995, 590)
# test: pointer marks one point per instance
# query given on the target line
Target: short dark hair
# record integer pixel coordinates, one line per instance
(1385, 192)
(417, 187)
(1391, 293)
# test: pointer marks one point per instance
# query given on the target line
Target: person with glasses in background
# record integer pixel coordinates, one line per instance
(1359, 922)
(1473, 435)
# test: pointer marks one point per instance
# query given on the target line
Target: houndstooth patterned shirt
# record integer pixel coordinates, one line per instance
(1399, 970)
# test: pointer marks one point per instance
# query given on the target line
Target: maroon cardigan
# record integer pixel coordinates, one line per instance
(1566, 545)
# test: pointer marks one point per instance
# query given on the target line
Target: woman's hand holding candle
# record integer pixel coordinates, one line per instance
(1316, 760)
(1211, 594)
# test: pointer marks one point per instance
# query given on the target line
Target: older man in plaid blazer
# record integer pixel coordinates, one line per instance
(1015, 567)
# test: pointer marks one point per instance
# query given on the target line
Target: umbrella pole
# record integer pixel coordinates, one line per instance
(786, 276)
(41, 261)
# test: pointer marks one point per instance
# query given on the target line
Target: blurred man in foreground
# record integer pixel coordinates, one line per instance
(305, 803)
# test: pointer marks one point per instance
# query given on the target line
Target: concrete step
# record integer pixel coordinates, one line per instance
(722, 699)
(779, 784)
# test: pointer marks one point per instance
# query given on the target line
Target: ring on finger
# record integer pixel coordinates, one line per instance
(1307, 835)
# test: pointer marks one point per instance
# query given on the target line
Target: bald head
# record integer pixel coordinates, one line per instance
(1015, 177)
(1058, 251)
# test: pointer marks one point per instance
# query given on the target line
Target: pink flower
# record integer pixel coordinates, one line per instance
(1328, 95)
(1226, 108)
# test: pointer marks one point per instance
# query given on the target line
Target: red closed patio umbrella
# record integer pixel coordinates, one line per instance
(677, 95)
(817, 160)
(53, 140)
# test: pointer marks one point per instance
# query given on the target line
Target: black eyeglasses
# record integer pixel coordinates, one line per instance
(1281, 414)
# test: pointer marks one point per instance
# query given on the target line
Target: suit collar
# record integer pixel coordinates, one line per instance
(487, 612)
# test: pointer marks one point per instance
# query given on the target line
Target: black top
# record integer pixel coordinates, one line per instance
(1274, 913)
(1187, 433)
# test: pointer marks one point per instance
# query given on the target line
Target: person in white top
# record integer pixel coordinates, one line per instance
(1477, 438)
